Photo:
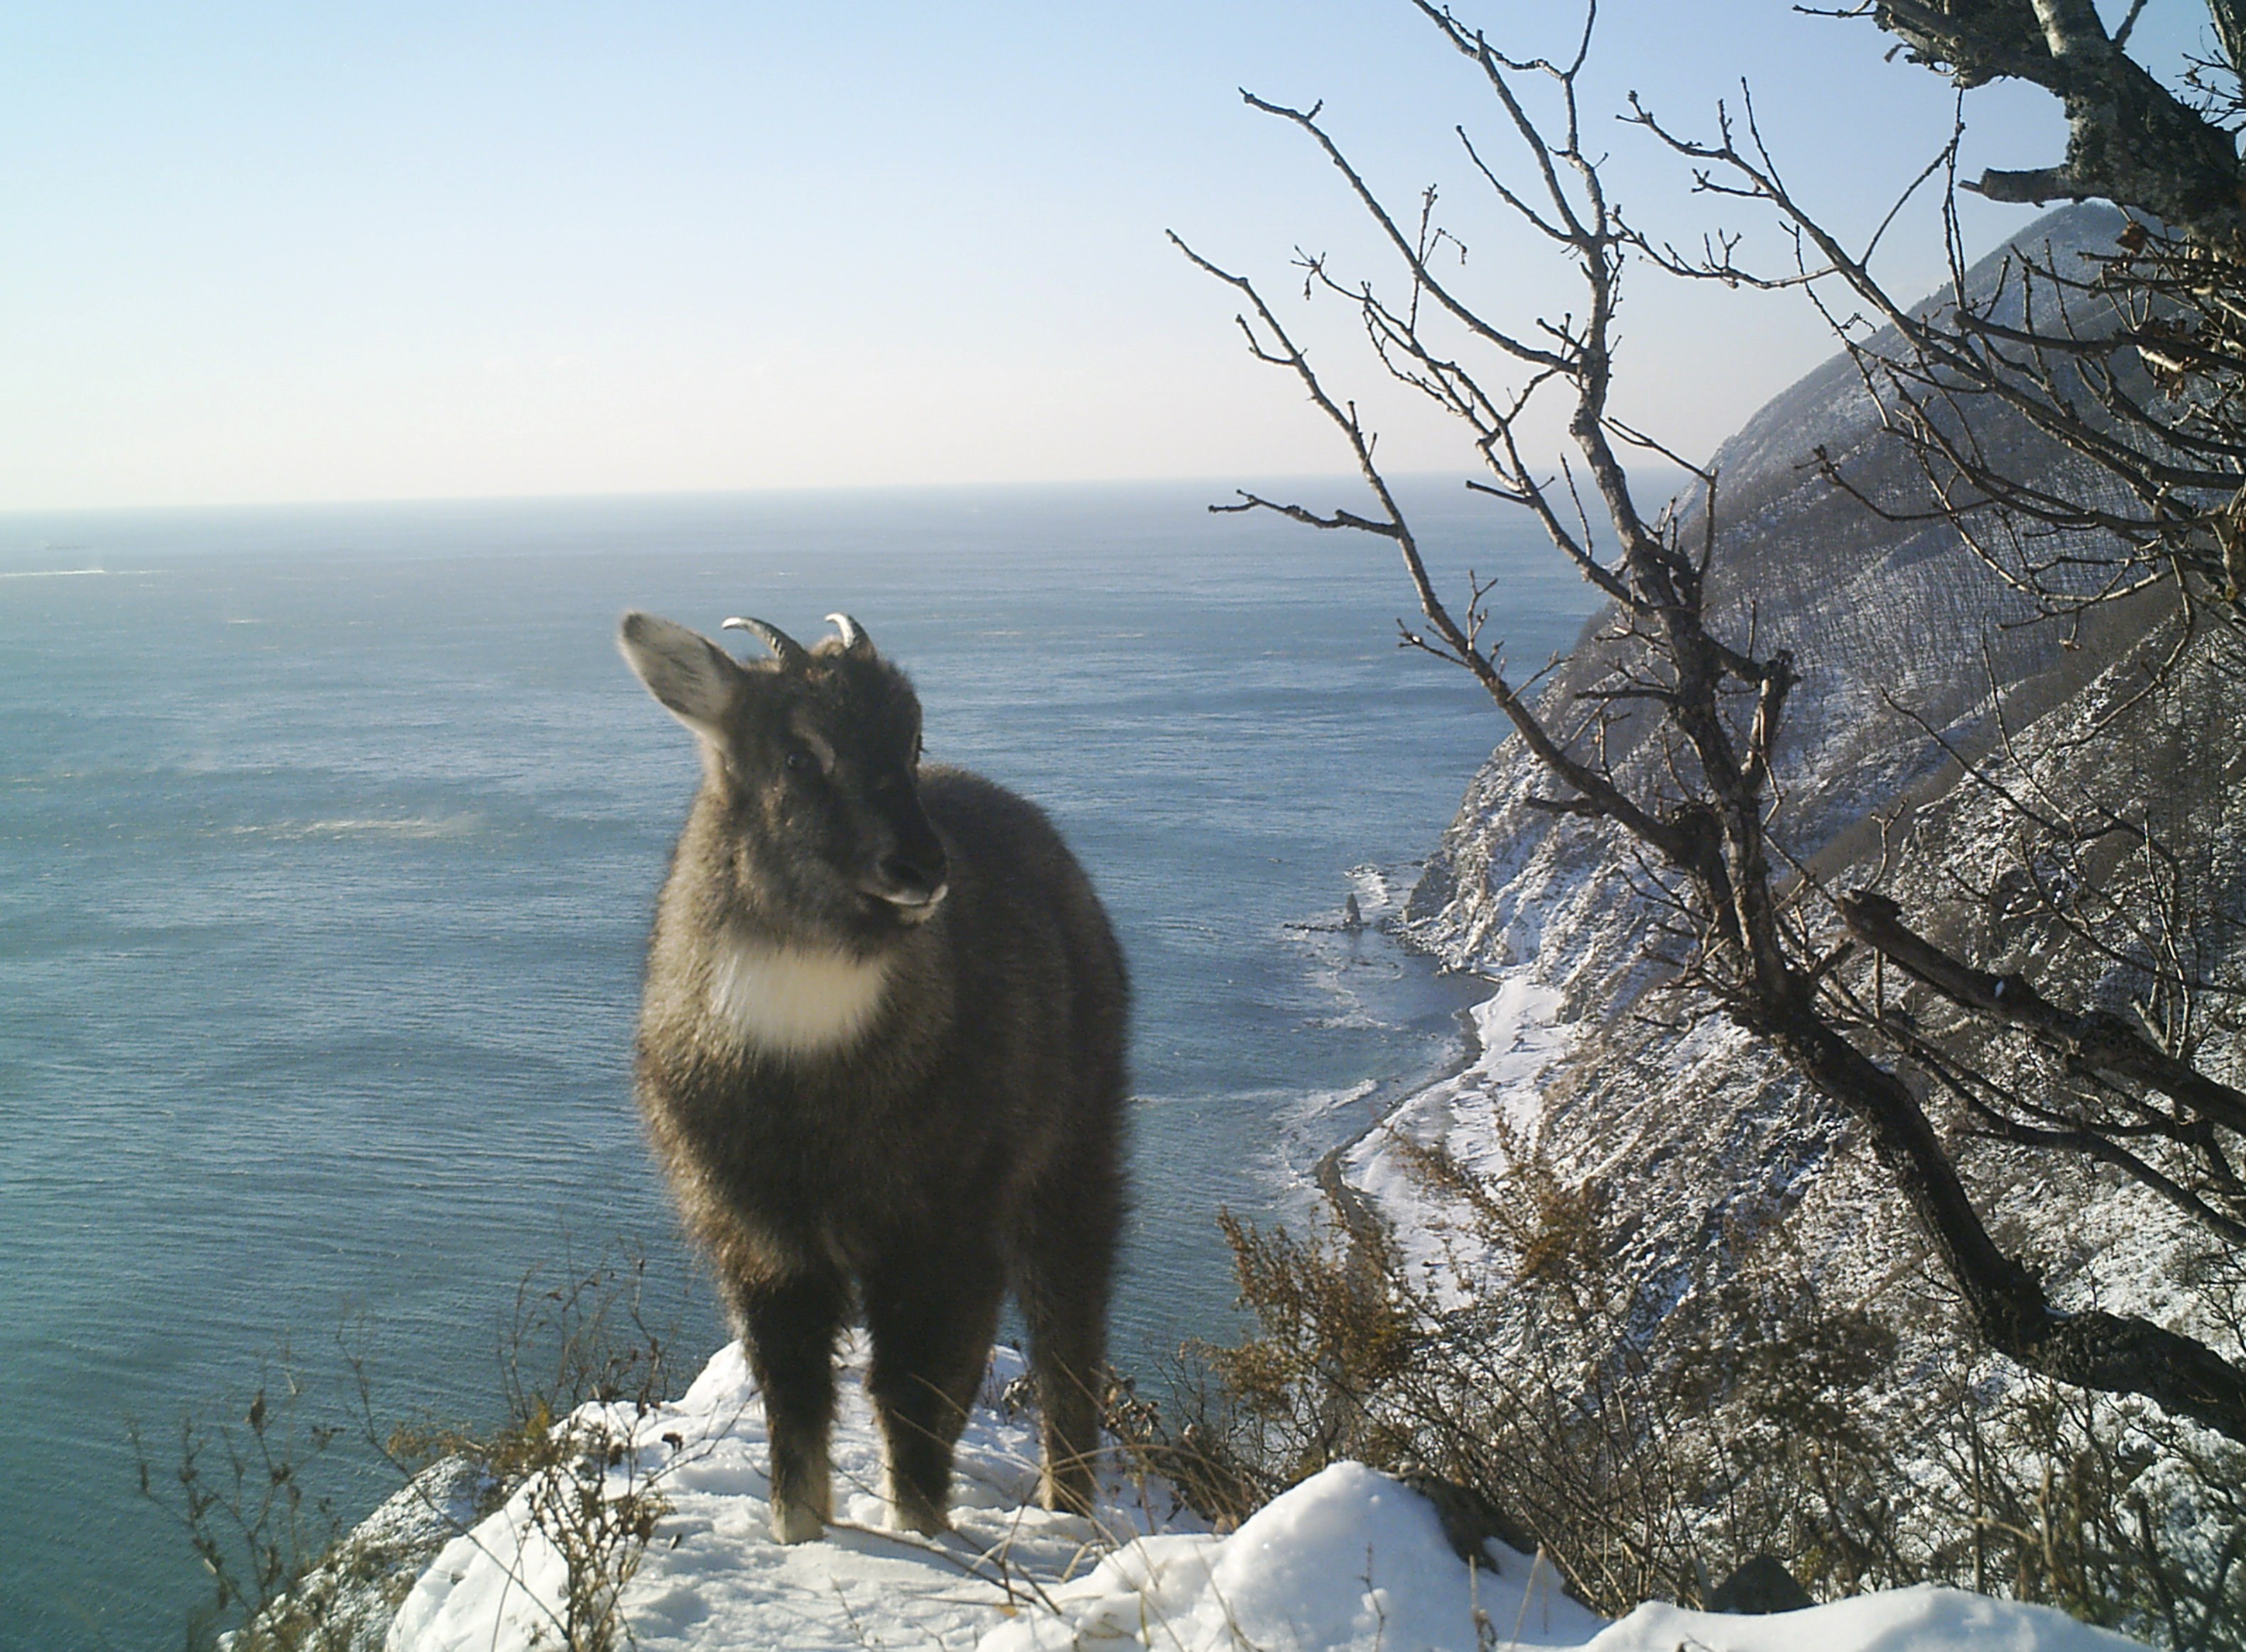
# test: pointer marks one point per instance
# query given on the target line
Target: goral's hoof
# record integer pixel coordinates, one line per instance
(791, 1523)
(915, 1515)
(1067, 1494)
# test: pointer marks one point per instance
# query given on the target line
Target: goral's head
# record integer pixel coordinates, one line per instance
(813, 755)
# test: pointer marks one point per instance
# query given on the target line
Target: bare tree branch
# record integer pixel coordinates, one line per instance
(1696, 807)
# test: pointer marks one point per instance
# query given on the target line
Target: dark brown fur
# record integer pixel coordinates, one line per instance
(964, 1140)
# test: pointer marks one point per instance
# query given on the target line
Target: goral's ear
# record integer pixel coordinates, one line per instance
(698, 681)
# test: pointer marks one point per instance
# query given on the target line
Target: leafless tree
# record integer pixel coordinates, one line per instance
(1673, 743)
(2132, 360)
(2130, 139)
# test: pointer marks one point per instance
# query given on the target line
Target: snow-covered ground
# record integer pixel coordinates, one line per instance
(1348, 1559)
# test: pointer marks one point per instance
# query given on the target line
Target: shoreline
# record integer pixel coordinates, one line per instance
(1358, 1216)
(1513, 1036)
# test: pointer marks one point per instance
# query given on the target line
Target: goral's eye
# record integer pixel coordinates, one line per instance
(800, 761)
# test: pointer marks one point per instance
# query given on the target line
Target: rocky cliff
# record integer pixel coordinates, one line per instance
(1913, 655)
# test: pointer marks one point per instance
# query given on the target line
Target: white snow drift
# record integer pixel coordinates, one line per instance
(1348, 1559)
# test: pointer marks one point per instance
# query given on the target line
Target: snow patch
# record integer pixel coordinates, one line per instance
(1925, 1619)
(1349, 1560)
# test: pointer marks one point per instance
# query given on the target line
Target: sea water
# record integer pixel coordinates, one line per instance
(329, 837)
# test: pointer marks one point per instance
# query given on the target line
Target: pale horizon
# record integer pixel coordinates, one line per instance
(267, 255)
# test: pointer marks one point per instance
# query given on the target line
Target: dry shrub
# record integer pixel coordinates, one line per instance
(1651, 1428)
(286, 1578)
(581, 1366)
(240, 1493)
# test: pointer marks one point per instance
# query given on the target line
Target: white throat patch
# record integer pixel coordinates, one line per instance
(793, 1000)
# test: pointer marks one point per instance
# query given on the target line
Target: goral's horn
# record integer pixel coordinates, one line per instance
(853, 634)
(791, 653)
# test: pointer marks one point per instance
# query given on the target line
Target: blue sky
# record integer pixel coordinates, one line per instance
(308, 251)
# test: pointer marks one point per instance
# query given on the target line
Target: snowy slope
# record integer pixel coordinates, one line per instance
(713, 1576)
(1348, 1559)
(1708, 1132)
(1694, 1128)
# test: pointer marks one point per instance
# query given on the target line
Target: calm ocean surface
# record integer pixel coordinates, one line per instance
(329, 836)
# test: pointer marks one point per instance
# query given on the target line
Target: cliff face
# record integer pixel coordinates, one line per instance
(1885, 620)
(1898, 630)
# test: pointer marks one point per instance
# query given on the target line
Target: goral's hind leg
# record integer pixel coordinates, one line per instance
(1067, 1264)
(932, 1316)
(789, 1326)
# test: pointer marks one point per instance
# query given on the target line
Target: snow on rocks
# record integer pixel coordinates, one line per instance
(1925, 1619)
(1349, 1560)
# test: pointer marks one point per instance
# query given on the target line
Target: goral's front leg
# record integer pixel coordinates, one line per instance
(789, 1327)
(932, 1318)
